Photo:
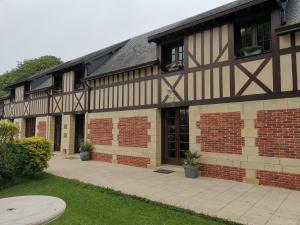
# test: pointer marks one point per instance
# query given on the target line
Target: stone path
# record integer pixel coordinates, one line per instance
(240, 202)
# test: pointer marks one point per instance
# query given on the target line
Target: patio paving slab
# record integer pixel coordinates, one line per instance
(239, 202)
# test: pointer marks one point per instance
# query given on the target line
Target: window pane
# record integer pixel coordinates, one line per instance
(173, 56)
(171, 154)
(245, 37)
(253, 39)
(171, 145)
(263, 36)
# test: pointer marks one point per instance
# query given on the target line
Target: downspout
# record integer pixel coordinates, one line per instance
(283, 5)
(86, 83)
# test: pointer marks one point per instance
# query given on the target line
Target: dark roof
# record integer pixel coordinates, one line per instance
(41, 83)
(293, 12)
(81, 60)
(208, 15)
(292, 15)
(5, 97)
(136, 52)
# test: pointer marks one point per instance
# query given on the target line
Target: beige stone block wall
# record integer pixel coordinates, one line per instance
(153, 151)
(50, 130)
(68, 134)
(21, 122)
(249, 159)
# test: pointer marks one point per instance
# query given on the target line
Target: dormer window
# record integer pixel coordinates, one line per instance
(253, 38)
(12, 94)
(57, 83)
(173, 56)
(26, 91)
(79, 76)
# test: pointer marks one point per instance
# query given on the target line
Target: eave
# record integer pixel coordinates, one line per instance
(288, 29)
(152, 63)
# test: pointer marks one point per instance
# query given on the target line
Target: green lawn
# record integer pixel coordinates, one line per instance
(91, 205)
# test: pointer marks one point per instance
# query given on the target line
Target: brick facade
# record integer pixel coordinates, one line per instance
(223, 172)
(101, 157)
(133, 132)
(221, 132)
(42, 129)
(279, 133)
(101, 131)
(285, 180)
(133, 161)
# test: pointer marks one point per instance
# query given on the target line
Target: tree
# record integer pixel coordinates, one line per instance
(26, 69)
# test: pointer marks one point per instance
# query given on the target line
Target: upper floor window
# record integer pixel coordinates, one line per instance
(57, 84)
(26, 91)
(253, 38)
(173, 56)
(12, 95)
(79, 76)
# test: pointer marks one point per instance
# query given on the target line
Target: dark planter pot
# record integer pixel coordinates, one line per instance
(84, 156)
(191, 171)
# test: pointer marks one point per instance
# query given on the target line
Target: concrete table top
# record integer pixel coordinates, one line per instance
(30, 210)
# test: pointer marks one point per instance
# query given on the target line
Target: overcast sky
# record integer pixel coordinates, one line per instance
(72, 28)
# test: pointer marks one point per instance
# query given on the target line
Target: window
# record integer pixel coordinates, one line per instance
(172, 56)
(79, 76)
(12, 95)
(26, 91)
(57, 83)
(253, 38)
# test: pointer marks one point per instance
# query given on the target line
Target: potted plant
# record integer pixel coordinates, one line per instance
(85, 149)
(174, 67)
(191, 166)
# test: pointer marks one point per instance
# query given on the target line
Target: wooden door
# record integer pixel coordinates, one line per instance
(79, 131)
(175, 129)
(57, 133)
(30, 127)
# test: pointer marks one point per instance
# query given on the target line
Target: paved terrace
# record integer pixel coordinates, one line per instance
(240, 202)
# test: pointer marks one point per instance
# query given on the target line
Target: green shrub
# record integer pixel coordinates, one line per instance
(14, 163)
(86, 146)
(8, 130)
(39, 152)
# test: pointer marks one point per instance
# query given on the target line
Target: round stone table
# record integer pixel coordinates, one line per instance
(30, 210)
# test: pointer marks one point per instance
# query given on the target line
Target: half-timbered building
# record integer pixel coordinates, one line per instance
(225, 83)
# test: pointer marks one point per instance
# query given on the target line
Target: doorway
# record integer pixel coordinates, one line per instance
(175, 135)
(57, 133)
(30, 127)
(79, 131)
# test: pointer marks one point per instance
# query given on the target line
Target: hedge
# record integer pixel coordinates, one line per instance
(23, 158)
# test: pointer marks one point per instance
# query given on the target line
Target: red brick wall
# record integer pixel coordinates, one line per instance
(223, 172)
(41, 129)
(133, 161)
(221, 132)
(133, 132)
(101, 157)
(285, 180)
(279, 133)
(101, 131)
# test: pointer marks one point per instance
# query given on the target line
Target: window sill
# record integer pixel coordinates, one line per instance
(172, 72)
(252, 56)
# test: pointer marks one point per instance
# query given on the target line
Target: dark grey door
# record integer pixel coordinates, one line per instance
(57, 133)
